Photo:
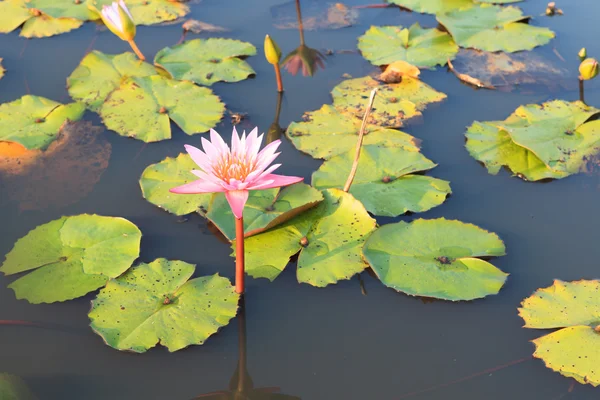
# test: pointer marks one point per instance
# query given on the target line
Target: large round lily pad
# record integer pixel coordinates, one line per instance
(329, 238)
(149, 12)
(327, 132)
(143, 107)
(423, 48)
(494, 28)
(71, 256)
(394, 103)
(206, 61)
(385, 181)
(158, 303)
(35, 22)
(573, 351)
(34, 121)
(99, 74)
(436, 258)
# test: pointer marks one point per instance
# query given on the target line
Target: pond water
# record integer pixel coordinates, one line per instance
(332, 343)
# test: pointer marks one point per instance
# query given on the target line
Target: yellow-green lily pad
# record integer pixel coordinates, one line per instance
(149, 12)
(36, 24)
(433, 6)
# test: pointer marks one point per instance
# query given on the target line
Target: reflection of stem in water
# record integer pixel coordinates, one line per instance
(581, 94)
(275, 130)
(242, 364)
(300, 25)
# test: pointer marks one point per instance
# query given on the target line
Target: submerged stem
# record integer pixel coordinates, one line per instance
(136, 50)
(361, 134)
(239, 255)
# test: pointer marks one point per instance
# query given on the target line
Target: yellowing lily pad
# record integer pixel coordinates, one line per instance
(329, 238)
(433, 6)
(99, 74)
(436, 258)
(159, 303)
(34, 121)
(63, 8)
(423, 48)
(385, 181)
(142, 108)
(206, 61)
(328, 132)
(264, 209)
(14, 13)
(573, 351)
(494, 28)
(394, 103)
(149, 12)
(71, 256)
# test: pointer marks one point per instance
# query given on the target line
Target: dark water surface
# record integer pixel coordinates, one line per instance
(332, 343)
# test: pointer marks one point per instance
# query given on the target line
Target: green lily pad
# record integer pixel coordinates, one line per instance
(206, 61)
(264, 209)
(157, 179)
(143, 107)
(436, 258)
(329, 238)
(71, 257)
(99, 74)
(63, 9)
(573, 351)
(14, 388)
(394, 103)
(494, 28)
(14, 13)
(423, 48)
(433, 6)
(34, 121)
(327, 132)
(384, 181)
(149, 12)
(158, 303)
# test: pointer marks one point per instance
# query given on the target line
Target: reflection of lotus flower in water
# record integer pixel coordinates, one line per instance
(306, 58)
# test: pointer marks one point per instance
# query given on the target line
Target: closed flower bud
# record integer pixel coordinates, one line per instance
(588, 69)
(119, 20)
(272, 51)
(582, 54)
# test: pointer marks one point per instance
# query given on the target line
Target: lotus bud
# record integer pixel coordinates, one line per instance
(582, 54)
(119, 20)
(272, 51)
(588, 69)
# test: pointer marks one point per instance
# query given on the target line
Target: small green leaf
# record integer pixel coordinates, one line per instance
(157, 303)
(206, 61)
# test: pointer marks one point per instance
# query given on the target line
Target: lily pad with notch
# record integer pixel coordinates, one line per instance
(35, 23)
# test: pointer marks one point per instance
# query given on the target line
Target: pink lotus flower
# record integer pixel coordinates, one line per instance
(235, 171)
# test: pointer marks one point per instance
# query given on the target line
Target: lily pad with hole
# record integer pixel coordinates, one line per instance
(142, 108)
(329, 238)
(394, 103)
(34, 121)
(494, 28)
(433, 6)
(327, 132)
(423, 48)
(149, 12)
(574, 350)
(98, 74)
(264, 209)
(385, 181)
(36, 24)
(14, 388)
(436, 258)
(159, 303)
(206, 61)
(71, 256)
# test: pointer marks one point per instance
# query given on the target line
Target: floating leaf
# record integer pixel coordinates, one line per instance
(158, 303)
(575, 350)
(397, 70)
(149, 12)
(14, 388)
(198, 27)
(328, 237)
(494, 28)
(384, 182)
(436, 258)
(63, 8)
(99, 74)
(264, 209)
(433, 6)
(34, 121)
(423, 48)
(14, 13)
(45, 26)
(394, 103)
(71, 257)
(206, 61)
(142, 107)
(327, 132)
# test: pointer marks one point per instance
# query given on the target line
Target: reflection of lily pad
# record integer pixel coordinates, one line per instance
(573, 351)
(143, 107)
(206, 61)
(14, 13)
(14, 388)
(433, 6)
(2, 70)
(264, 209)
(149, 12)
(494, 28)
(329, 238)
(34, 121)
(316, 15)
(327, 132)
(71, 257)
(99, 74)
(385, 182)
(423, 48)
(158, 178)
(394, 103)
(158, 303)
(436, 258)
